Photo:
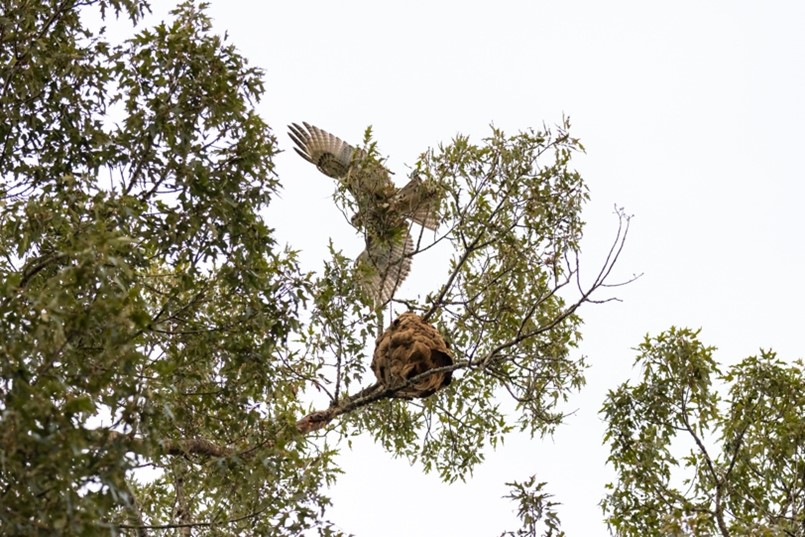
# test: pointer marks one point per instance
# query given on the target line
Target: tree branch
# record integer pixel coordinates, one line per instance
(719, 508)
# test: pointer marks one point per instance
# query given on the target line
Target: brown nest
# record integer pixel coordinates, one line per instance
(410, 347)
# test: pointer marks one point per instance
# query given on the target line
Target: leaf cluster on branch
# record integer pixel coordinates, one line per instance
(693, 460)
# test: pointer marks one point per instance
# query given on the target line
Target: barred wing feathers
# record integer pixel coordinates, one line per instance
(330, 154)
(419, 202)
(386, 264)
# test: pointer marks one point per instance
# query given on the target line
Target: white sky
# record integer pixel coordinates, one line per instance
(692, 115)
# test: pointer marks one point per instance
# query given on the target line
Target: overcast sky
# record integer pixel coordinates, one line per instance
(692, 115)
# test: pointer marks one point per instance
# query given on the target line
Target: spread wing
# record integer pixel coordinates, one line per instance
(419, 201)
(366, 178)
(330, 154)
(386, 264)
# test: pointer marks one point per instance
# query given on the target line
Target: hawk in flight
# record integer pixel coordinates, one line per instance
(383, 209)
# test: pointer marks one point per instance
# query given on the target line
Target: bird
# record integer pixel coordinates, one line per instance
(410, 347)
(382, 209)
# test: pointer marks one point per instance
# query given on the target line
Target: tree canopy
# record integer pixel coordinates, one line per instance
(161, 348)
(695, 459)
(167, 365)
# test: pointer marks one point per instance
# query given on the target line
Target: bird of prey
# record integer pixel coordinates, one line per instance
(382, 208)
